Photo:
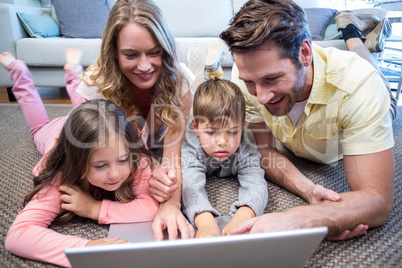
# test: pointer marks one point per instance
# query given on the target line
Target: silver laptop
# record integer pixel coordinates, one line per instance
(276, 249)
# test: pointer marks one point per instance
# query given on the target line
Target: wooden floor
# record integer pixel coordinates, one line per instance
(48, 95)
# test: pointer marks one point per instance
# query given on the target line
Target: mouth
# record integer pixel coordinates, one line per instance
(275, 102)
(222, 153)
(113, 183)
(144, 76)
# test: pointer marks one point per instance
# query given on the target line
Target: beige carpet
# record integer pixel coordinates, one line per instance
(381, 247)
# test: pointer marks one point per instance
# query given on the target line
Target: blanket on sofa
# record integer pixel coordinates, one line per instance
(381, 247)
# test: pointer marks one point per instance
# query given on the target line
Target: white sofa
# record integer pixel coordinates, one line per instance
(192, 22)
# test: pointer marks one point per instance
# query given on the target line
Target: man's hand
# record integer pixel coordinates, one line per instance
(359, 230)
(163, 183)
(79, 202)
(317, 194)
(270, 222)
(170, 217)
(282, 221)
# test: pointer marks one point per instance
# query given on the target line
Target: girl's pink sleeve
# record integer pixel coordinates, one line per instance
(143, 208)
(30, 237)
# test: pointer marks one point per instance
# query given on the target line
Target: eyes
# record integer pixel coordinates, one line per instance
(212, 133)
(267, 80)
(103, 165)
(152, 53)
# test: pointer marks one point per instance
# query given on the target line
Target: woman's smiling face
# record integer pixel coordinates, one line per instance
(139, 56)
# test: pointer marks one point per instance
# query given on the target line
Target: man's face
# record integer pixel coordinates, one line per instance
(275, 81)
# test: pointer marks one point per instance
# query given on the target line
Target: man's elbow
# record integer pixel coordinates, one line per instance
(384, 207)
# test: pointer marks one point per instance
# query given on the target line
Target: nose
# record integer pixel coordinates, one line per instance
(113, 172)
(221, 138)
(144, 63)
(264, 94)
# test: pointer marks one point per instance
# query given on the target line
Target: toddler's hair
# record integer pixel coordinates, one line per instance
(93, 124)
(218, 101)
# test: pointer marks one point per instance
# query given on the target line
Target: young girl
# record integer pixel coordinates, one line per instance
(138, 69)
(97, 168)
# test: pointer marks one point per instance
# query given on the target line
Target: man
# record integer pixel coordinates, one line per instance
(322, 104)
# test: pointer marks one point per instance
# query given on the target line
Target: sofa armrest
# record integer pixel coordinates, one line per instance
(11, 29)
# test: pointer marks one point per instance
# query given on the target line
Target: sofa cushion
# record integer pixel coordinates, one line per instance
(33, 51)
(39, 26)
(81, 19)
(318, 19)
(207, 18)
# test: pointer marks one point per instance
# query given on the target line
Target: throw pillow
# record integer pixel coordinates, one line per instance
(318, 19)
(39, 26)
(81, 18)
(331, 32)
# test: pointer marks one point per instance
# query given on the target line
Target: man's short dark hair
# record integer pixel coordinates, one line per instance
(261, 21)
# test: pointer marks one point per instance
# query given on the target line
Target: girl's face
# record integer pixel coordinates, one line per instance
(139, 56)
(219, 142)
(109, 166)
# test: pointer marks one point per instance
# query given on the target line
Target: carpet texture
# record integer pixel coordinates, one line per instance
(381, 247)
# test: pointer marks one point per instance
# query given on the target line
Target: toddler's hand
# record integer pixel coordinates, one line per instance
(208, 232)
(79, 202)
(106, 241)
(242, 214)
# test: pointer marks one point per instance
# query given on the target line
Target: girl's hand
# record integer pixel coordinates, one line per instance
(163, 183)
(79, 202)
(106, 241)
(317, 194)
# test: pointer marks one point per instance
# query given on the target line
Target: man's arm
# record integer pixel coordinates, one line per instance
(284, 173)
(370, 178)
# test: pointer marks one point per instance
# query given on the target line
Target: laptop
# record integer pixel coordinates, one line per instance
(276, 249)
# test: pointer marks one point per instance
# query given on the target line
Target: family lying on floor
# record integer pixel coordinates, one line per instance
(321, 103)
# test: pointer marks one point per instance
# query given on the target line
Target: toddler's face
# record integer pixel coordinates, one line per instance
(219, 141)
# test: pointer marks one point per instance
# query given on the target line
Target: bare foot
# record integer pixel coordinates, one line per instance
(6, 58)
(73, 58)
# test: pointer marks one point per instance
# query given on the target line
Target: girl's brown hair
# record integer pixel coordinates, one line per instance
(91, 125)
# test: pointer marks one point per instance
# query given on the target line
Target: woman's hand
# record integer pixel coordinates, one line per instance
(79, 202)
(106, 241)
(163, 183)
(170, 217)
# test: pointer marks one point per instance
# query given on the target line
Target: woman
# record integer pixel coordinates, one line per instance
(138, 70)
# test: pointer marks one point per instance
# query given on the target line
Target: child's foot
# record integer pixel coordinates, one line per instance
(6, 58)
(215, 50)
(196, 63)
(73, 58)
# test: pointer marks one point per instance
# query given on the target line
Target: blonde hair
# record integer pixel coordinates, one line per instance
(114, 85)
(218, 101)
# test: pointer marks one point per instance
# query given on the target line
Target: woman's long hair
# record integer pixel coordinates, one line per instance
(114, 85)
(93, 124)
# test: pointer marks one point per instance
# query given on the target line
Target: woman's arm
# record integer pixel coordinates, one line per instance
(169, 215)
